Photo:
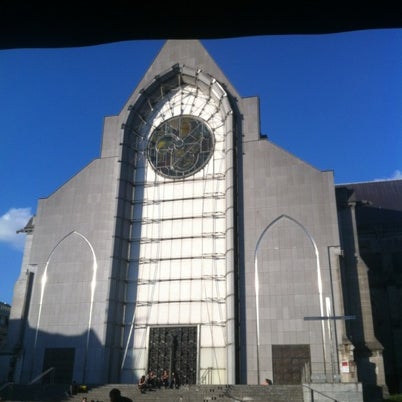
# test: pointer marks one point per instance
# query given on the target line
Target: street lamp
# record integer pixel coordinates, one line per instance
(333, 305)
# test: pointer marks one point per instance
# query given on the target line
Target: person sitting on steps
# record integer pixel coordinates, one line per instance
(116, 396)
(165, 378)
(142, 384)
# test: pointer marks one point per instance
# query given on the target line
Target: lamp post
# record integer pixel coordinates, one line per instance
(257, 306)
(331, 316)
(333, 305)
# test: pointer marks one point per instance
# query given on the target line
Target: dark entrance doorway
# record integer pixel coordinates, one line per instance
(62, 360)
(288, 362)
(174, 349)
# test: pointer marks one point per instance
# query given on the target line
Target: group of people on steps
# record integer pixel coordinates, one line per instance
(151, 382)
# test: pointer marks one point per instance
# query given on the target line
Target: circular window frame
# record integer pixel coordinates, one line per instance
(179, 147)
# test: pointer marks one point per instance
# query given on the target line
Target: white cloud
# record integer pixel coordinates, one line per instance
(14, 219)
(397, 175)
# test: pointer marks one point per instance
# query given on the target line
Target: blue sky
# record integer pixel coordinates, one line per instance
(334, 101)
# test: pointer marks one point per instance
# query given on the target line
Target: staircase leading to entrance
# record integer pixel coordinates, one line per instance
(191, 393)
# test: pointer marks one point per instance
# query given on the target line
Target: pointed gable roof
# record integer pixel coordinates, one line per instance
(189, 53)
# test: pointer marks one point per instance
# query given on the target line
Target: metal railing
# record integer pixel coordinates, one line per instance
(4, 386)
(40, 376)
(318, 378)
(206, 375)
(312, 390)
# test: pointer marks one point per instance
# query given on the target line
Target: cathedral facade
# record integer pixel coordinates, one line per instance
(192, 244)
